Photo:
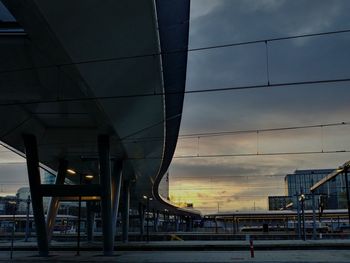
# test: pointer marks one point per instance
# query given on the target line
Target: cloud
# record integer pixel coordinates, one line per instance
(13, 176)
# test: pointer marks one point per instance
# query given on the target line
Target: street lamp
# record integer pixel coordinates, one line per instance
(13, 203)
(87, 178)
(148, 199)
(302, 200)
(71, 171)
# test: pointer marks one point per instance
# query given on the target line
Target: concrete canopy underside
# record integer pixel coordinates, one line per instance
(76, 51)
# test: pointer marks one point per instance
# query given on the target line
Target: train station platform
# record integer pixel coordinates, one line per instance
(178, 245)
(266, 256)
(185, 251)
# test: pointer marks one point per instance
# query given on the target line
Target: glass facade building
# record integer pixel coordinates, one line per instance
(301, 181)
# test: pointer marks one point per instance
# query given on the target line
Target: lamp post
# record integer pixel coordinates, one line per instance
(302, 199)
(14, 208)
(148, 199)
(87, 177)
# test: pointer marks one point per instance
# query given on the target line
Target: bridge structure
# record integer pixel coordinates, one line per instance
(93, 92)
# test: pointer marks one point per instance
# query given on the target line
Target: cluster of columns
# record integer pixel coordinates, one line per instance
(170, 222)
(108, 189)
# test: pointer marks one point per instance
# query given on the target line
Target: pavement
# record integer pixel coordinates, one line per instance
(333, 256)
(214, 245)
(186, 251)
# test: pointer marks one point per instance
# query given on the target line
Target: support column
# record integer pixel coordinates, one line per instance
(142, 219)
(55, 201)
(188, 222)
(90, 219)
(106, 200)
(37, 199)
(125, 212)
(156, 221)
(166, 222)
(116, 186)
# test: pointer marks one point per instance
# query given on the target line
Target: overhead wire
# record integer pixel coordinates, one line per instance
(185, 50)
(244, 87)
(224, 133)
(169, 93)
(197, 156)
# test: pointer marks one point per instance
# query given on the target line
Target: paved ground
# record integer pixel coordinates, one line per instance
(187, 251)
(333, 256)
(233, 245)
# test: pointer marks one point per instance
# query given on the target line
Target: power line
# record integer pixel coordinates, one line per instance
(240, 155)
(186, 50)
(259, 154)
(198, 91)
(223, 133)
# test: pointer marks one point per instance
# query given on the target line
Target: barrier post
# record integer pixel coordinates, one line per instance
(251, 247)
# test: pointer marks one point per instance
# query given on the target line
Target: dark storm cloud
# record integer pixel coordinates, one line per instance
(289, 61)
(228, 171)
(245, 20)
(241, 183)
(205, 169)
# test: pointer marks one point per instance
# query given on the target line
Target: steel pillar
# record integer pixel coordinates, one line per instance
(125, 212)
(55, 201)
(116, 186)
(156, 221)
(37, 200)
(176, 218)
(106, 192)
(142, 219)
(90, 219)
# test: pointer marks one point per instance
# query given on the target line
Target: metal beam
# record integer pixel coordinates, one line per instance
(330, 176)
(54, 201)
(69, 190)
(116, 181)
(76, 198)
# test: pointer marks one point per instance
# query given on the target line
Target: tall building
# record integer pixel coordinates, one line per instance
(22, 195)
(302, 180)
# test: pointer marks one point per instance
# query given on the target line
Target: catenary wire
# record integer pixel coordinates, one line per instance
(186, 50)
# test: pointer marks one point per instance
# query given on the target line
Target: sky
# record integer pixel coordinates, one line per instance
(244, 183)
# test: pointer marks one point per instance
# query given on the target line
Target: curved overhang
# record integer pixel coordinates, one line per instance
(64, 81)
